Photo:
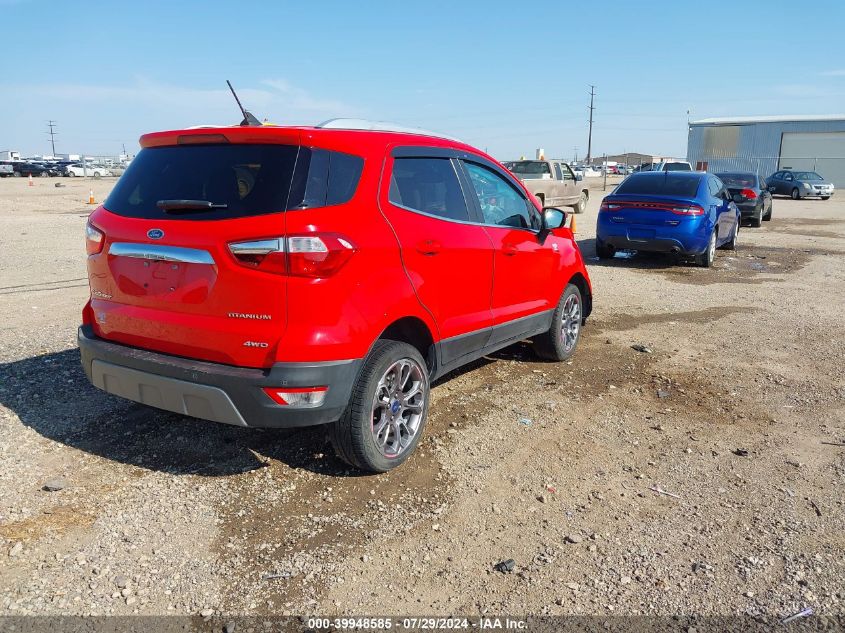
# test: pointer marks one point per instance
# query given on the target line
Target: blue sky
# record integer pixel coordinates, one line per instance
(505, 76)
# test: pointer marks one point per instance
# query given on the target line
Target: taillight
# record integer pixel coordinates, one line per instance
(748, 194)
(299, 255)
(687, 209)
(609, 206)
(94, 239)
(298, 397)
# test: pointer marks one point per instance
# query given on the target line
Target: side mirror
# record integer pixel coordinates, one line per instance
(579, 177)
(553, 218)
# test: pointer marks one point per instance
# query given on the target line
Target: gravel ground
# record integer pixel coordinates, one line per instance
(736, 414)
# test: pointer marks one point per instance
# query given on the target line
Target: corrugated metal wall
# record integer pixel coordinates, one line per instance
(758, 146)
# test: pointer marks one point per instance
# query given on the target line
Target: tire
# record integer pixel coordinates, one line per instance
(581, 205)
(768, 216)
(705, 260)
(825, 197)
(560, 342)
(70, 174)
(796, 195)
(730, 245)
(97, 175)
(603, 251)
(354, 435)
(757, 219)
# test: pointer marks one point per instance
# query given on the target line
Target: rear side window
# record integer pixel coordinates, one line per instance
(324, 178)
(429, 185)
(660, 185)
(240, 180)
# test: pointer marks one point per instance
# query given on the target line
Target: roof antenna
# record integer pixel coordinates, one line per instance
(249, 119)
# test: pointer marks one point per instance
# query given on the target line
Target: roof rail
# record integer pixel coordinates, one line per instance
(378, 126)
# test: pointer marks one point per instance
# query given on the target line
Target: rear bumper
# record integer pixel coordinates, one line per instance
(212, 391)
(683, 245)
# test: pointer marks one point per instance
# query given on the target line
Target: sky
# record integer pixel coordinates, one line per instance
(507, 77)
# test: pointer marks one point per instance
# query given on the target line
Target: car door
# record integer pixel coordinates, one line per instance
(559, 187)
(571, 188)
(787, 183)
(524, 265)
(765, 194)
(726, 216)
(447, 254)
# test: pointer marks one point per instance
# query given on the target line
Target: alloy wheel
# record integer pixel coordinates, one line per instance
(398, 406)
(570, 322)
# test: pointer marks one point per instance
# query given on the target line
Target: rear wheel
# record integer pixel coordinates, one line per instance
(757, 219)
(560, 341)
(387, 411)
(705, 260)
(795, 194)
(603, 251)
(70, 174)
(825, 197)
(581, 206)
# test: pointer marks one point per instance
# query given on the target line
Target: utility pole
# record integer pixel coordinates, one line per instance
(52, 124)
(575, 155)
(590, 135)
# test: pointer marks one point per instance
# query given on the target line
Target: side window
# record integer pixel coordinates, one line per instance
(567, 173)
(787, 176)
(558, 173)
(500, 202)
(715, 187)
(429, 185)
(325, 178)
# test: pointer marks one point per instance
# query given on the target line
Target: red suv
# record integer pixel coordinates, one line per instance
(292, 276)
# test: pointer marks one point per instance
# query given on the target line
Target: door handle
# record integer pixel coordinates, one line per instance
(509, 250)
(429, 247)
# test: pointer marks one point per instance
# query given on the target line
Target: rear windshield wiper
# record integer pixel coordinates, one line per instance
(189, 205)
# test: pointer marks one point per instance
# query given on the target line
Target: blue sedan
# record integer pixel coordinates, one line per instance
(690, 214)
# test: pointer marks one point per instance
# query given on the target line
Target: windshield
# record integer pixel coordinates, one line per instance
(668, 185)
(807, 175)
(738, 180)
(530, 167)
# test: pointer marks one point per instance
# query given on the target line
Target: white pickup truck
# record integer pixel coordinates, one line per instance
(553, 182)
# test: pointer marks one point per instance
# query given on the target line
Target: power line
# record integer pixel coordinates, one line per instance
(590, 134)
(52, 124)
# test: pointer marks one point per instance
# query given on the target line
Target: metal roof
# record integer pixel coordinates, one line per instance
(379, 126)
(769, 119)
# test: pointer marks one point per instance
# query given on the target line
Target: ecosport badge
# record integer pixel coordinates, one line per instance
(155, 234)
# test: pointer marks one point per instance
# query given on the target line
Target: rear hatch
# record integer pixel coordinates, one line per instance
(166, 278)
(650, 210)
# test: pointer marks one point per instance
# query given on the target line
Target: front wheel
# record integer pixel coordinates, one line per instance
(581, 205)
(705, 260)
(731, 244)
(560, 341)
(825, 197)
(757, 219)
(795, 194)
(387, 411)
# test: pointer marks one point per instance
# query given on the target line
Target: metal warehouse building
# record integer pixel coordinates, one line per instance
(766, 144)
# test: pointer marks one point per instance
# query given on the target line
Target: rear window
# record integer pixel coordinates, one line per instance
(659, 185)
(245, 180)
(676, 167)
(530, 167)
(738, 180)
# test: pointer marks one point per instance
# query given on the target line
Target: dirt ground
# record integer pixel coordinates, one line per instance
(737, 415)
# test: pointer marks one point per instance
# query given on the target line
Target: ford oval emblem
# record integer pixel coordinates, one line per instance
(155, 234)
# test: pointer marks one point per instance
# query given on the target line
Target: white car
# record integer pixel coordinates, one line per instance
(590, 172)
(95, 171)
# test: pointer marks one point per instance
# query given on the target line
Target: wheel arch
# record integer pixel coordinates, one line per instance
(580, 282)
(413, 331)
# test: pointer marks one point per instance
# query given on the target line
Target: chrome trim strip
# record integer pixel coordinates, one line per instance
(161, 252)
